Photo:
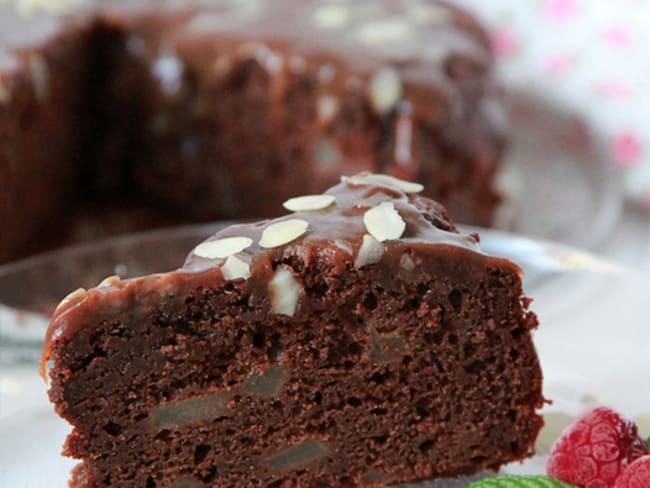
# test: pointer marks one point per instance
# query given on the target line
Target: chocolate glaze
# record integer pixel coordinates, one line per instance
(315, 368)
(342, 224)
(334, 237)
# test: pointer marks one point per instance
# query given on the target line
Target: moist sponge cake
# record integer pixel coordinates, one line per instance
(359, 340)
(123, 114)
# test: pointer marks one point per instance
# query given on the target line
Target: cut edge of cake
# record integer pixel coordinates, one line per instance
(358, 341)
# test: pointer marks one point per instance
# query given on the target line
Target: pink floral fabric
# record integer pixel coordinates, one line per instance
(590, 57)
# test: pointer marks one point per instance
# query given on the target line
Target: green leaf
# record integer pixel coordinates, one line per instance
(513, 481)
(648, 441)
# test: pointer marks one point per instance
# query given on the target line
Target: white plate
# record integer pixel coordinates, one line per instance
(593, 341)
(557, 179)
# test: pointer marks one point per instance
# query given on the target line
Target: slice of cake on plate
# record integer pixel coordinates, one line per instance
(358, 341)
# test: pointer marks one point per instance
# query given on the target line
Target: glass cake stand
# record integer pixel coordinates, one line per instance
(592, 341)
(557, 178)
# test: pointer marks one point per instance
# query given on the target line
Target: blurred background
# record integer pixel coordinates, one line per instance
(577, 74)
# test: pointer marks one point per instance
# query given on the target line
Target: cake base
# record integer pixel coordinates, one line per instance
(401, 380)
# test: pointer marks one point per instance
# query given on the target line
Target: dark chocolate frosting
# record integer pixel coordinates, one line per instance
(340, 235)
(421, 42)
(341, 224)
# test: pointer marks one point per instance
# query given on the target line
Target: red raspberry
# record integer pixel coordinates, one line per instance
(593, 451)
(636, 475)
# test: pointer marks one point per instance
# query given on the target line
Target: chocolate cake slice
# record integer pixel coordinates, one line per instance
(117, 115)
(359, 341)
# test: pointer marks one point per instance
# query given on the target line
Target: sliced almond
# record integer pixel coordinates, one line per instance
(344, 246)
(331, 16)
(309, 202)
(109, 281)
(385, 89)
(385, 31)
(284, 290)
(235, 269)
(71, 298)
(327, 108)
(367, 178)
(370, 252)
(283, 232)
(168, 69)
(222, 248)
(383, 222)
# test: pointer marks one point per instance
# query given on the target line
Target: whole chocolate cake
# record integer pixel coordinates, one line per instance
(358, 341)
(122, 114)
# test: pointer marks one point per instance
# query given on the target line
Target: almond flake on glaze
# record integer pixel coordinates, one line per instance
(367, 178)
(235, 269)
(71, 298)
(385, 89)
(331, 16)
(383, 222)
(370, 252)
(283, 232)
(109, 281)
(222, 248)
(308, 203)
(327, 107)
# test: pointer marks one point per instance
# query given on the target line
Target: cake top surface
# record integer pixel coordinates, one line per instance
(365, 208)
(416, 36)
(364, 220)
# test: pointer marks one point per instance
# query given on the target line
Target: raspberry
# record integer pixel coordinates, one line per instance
(636, 475)
(593, 451)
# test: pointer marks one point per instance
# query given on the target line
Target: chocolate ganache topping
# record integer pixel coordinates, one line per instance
(366, 219)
